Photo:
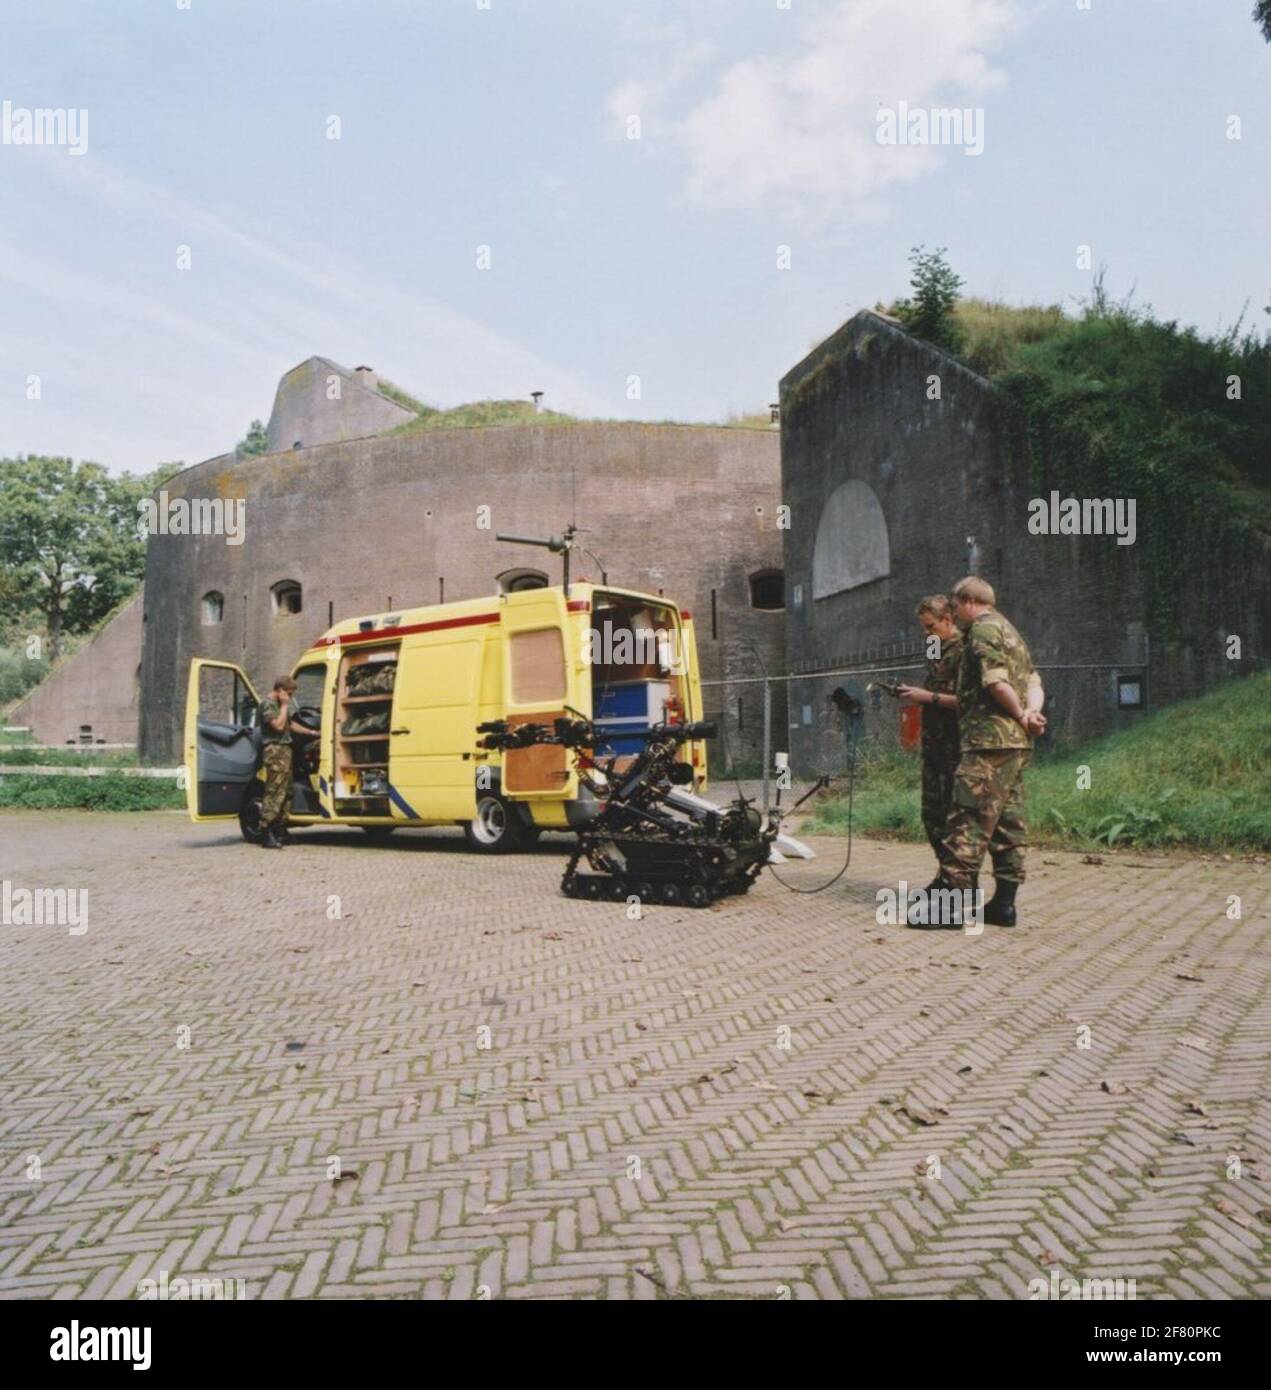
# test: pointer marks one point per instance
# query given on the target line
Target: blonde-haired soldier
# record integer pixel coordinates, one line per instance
(938, 698)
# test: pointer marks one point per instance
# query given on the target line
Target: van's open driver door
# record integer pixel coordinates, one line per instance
(222, 717)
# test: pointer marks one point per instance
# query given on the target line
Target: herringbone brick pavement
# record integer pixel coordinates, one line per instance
(454, 1083)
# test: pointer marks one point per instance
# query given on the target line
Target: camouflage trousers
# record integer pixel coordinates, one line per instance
(987, 813)
(277, 759)
(939, 767)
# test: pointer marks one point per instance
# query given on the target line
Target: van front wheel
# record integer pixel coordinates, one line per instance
(496, 828)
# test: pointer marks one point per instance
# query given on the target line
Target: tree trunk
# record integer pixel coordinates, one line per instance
(53, 617)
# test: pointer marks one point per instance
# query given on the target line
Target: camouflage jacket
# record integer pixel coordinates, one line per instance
(940, 726)
(269, 708)
(992, 651)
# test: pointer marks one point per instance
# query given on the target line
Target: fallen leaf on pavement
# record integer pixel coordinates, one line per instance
(1229, 1209)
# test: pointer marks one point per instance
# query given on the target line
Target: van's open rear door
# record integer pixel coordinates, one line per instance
(696, 750)
(540, 677)
(221, 740)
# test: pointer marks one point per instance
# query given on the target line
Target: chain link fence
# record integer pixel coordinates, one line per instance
(779, 734)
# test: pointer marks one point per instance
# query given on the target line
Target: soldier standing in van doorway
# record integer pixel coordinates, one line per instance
(941, 749)
(1000, 699)
(277, 723)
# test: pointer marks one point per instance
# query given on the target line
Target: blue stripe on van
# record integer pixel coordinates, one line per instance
(400, 802)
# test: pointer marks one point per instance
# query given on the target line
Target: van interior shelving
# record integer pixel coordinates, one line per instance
(363, 732)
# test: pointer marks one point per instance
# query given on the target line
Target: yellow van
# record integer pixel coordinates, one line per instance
(396, 699)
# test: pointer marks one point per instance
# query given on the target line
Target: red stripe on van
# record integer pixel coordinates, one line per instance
(578, 605)
(383, 634)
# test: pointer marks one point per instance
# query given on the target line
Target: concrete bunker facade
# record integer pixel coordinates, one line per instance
(335, 527)
(901, 476)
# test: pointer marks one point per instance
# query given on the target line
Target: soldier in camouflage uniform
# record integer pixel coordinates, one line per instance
(999, 712)
(941, 748)
(277, 723)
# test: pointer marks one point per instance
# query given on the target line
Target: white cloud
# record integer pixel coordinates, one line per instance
(797, 131)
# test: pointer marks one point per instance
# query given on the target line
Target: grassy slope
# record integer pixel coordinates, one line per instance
(1197, 774)
(1156, 390)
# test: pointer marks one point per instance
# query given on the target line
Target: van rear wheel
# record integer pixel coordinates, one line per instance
(496, 828)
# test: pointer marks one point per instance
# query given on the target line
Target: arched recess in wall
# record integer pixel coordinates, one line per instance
(212, 608)
(285, 596)
(851, 546)
(515, 581)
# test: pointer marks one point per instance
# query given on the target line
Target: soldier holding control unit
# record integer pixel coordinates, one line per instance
(941, 749)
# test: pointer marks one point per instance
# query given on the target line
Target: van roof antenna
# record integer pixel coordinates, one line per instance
(558, 545)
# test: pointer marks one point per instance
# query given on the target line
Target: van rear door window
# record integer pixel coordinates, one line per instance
(538, 666)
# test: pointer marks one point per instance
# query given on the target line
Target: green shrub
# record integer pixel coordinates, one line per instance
(90, 794)
(22, 755)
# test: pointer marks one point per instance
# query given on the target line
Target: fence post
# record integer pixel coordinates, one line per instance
(767, 739)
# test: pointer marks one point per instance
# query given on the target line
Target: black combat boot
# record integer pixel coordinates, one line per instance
(939, 918)
(999, 911)
(270, 840)
(284, 835)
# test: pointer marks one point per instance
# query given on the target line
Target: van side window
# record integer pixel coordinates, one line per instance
(538, 665)
(309, 685)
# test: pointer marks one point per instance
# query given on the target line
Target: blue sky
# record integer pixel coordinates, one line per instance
(611, 258)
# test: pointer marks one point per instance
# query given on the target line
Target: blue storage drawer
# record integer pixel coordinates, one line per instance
(629, 708)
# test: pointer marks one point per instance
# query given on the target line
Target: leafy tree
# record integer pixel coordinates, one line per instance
(1262, 17)
(70, 548)
(255, 442)
(929, 314)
